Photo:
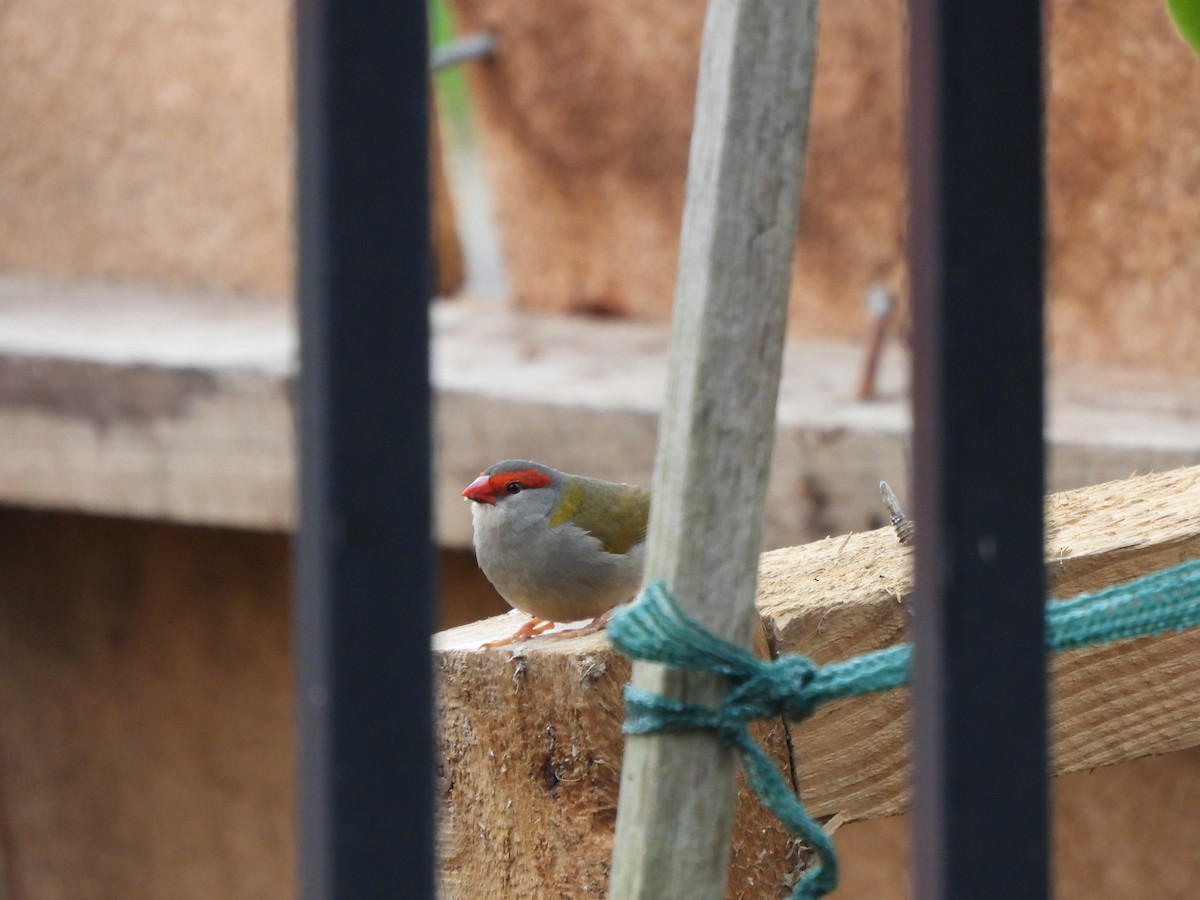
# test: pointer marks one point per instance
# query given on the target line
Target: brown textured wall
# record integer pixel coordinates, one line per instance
(587, 113)
(151, 140)
(587, 109)
(147, 140)
(1124, 152)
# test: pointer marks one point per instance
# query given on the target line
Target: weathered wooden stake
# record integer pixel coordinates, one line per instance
(715, 437)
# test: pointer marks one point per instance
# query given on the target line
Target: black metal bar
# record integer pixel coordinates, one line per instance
(364, 552)
(976, 255)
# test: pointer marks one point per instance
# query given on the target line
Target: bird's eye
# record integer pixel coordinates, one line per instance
(513, 487)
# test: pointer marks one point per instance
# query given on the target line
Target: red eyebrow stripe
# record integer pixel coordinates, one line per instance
(529, 478)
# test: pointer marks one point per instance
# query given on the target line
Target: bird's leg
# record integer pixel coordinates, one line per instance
(536, 627)
(597, 624)
(532, 628)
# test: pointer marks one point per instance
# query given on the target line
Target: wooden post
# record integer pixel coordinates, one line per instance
(716, 432)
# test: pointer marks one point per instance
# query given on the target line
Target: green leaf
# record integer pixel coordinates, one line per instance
(1186, 14)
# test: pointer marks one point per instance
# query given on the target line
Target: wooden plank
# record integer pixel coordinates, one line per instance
(145, 679)
(829, 600)
(854, 762)
(126, 400)
(177, 405)
(745, 170)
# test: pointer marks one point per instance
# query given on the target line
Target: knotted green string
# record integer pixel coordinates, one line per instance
(654, 628)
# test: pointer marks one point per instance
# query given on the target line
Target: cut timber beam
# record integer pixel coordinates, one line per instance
(530, 740)
(136, 401)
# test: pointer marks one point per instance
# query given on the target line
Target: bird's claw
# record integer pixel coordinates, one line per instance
(530, 629)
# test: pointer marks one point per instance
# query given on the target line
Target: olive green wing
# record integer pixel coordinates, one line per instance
(616, 514)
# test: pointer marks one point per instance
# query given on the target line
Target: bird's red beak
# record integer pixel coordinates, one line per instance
(480, 490)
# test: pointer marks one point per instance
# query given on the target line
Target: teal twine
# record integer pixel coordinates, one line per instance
(655, 629)
(1154, 604)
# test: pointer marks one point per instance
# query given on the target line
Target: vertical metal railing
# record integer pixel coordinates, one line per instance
(364, 551)
(976, 253)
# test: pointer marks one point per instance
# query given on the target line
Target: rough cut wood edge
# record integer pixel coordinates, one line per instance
(506, 717)
(177, 405)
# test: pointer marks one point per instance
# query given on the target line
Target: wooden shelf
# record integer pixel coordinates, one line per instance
(158, 404)
(177, 405)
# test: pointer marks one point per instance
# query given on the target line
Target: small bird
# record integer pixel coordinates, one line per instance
(559, 547)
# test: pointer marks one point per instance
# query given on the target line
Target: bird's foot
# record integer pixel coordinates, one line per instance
(530, 629)
(597, 624)
(538, 627)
